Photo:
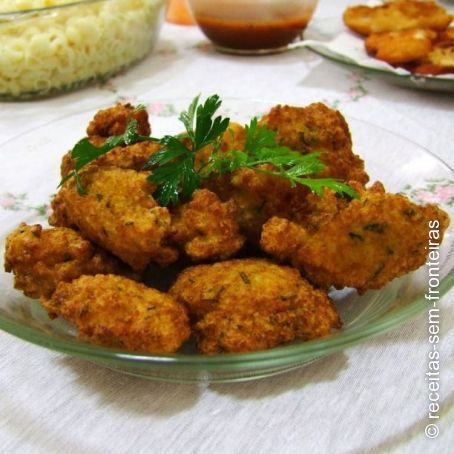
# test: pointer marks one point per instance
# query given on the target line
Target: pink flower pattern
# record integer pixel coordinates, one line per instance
(18, 202)
(161, 109)
(441, 191)
(7, 202)
(355, 92)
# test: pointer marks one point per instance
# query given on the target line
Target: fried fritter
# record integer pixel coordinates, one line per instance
(129, 157)
(117, 312)
(205, 228)
(373, 240)
(41, 258)
(113, 120)
(396, 16)
(318, 128)
(440, 60)
(252, 304)
(118, 213)
(402, 46)
(258, 197)
(316, 210)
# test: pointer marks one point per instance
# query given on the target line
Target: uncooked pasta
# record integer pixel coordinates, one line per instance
(57, 49)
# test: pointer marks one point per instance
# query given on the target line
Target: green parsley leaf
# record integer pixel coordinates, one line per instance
(173, 172)
(208, 130)
(261, 148)
(259, 136)
(173, 166)
(187, 117)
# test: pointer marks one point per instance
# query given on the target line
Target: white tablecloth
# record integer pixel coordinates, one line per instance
(369, 398)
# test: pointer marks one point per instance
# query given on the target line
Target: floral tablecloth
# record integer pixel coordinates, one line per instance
(370, 398)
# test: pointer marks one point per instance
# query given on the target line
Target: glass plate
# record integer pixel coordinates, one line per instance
(29, 176)
(324, 30)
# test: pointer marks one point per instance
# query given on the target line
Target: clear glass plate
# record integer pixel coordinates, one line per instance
(30, 174)
(325, 30)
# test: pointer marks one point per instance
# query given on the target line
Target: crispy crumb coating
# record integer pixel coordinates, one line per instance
(317, 127)
(402, 46)
(129, 157)
(258, 197)
(440, 59)
(252, 304)
(205, 228)
(117, 312)
(373, 240)
(59, 216)
(396, 16)
(118, 213)
(113, 120)
(316, 211)
(283, 239)
(41, 258)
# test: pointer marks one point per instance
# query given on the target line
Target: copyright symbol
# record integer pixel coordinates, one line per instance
(432, 431)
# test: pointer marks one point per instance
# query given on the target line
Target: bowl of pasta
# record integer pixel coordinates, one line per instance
(51, 46)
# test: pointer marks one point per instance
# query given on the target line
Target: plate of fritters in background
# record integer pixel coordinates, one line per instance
(408, 43)
(30, 175)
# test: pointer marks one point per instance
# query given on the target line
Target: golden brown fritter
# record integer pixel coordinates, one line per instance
(396, 16)
(118, 213)
(129, 157)
(373, 240)
(113, 120)
(440, 59)
(316, 210)
(402, 46)
(117, 312)
(252, 304)
(234, 138)
(41, 258)
(258, 197)
(59, 216)
(318, 128)
(205, 228)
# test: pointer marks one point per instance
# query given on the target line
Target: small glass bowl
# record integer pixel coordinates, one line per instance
(58, 48)
(252, 26)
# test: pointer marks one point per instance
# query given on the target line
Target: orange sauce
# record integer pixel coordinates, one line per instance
(252, 35)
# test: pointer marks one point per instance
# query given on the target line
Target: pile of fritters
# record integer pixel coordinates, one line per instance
(414, 34)
(234, 241)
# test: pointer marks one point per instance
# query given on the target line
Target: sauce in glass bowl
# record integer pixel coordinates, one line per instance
(252, 26)
(252, 36)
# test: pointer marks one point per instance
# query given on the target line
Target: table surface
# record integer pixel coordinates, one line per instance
(368, 398)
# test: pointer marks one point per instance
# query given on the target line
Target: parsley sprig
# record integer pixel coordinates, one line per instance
(173, 166)
(263, 154)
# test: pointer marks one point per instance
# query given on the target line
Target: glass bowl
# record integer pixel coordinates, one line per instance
(402, 165)
(58, 48)
(252, 26)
